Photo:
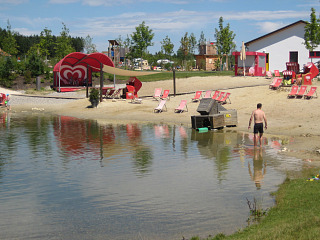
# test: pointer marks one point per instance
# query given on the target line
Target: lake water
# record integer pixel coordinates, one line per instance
(65, 178)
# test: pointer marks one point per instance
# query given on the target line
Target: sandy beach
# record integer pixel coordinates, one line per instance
(287, 118)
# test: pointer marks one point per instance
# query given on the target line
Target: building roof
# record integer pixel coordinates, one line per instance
(276, 31)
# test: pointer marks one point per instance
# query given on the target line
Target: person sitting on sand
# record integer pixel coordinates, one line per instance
(259, 116)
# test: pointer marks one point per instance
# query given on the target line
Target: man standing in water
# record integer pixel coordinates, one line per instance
(259, 116)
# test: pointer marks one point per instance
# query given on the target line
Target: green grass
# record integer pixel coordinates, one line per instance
(169, 75)
(295, 216)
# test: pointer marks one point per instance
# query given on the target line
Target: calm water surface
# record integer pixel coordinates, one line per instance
(65, 178)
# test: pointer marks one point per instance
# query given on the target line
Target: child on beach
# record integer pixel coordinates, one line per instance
(8, 103)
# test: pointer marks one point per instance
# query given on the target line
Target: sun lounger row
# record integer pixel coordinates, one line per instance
(159, 95)
(301, 93)
(221, 97)
(180, 109)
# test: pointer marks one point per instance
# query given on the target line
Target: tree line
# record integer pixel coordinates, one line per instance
(30, 54)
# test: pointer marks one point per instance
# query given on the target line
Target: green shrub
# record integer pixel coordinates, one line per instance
(27, 76)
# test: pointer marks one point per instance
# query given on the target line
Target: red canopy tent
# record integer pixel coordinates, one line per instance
(76, 69)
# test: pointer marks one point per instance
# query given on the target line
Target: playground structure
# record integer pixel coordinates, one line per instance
(254, 64)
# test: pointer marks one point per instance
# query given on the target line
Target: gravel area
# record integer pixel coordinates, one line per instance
(20, 99)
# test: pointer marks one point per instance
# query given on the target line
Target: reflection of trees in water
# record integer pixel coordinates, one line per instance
(217, 146)
(8, 141)
(142, 159)
(37, 130)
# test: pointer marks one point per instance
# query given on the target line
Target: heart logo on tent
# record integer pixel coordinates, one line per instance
(75, 73)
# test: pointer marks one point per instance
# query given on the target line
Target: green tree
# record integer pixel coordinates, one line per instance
(7, 73)
(35, 64)
(88, 45)
(64, 43)
(224, 40)
(9, 43)
(46, 43)
(141, 40)
(202, 41)
(193, 43)
(167, 46)
(187, 48)
(312, 32)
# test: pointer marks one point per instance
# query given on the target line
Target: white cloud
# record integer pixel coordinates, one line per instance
(26, 31)
(267, 27)
(265, 15)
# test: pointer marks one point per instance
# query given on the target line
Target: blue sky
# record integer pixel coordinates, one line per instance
(105, 19)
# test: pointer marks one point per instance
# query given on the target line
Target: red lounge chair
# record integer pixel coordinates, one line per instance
(276, 73)
(165, 95)
(215, 95)
(197, 97)
(269, 74)
(224, 99)
(277, 83)
(313, 90)
(293, 92)
(220, 96)
(182, 107)
(273, 82)
(157, 93)
(208, 94)
(162, 104)
(301, 92)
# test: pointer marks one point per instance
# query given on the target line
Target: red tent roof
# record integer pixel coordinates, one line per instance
(78, 58)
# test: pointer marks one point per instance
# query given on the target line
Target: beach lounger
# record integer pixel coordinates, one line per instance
(215, 95)
(207, 94)
(224, 99)
(276, 73)
(301, 92)
(161, 106)
(197, 97)
(220, 96)
(269, 74)
(165, 94)
(311, 93)
(182, 107)
(134, 99)
(116, 93)
(107, 92)
(293, 91)
(277, 84)
(157, 93)
(273, 82)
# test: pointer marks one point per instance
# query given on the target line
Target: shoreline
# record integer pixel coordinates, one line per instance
(287, 118)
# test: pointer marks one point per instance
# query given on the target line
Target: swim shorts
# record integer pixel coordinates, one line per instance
(258, 128)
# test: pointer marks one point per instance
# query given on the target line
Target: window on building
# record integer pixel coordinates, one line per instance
(314, 54)
(293, 57)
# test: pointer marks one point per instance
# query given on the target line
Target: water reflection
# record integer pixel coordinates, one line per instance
(81, 179)
(259, 168)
